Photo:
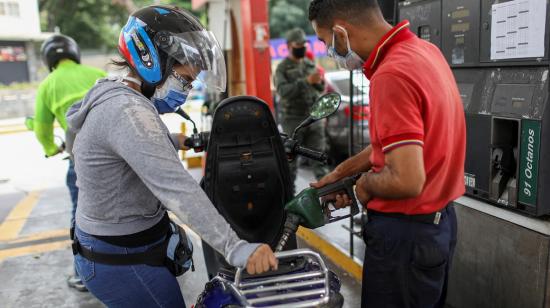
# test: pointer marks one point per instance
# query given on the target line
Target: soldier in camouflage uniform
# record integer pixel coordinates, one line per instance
(298, 85)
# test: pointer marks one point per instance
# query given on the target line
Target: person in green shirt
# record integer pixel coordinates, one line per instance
(68, 82)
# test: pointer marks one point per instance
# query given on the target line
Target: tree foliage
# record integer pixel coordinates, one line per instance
(288, 14)
(94, 24)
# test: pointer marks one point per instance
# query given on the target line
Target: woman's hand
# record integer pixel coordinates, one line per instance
(262, 260)
(181, 141)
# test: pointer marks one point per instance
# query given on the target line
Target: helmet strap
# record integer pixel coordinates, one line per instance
(133, 80)
(167, 69)
(147, 89)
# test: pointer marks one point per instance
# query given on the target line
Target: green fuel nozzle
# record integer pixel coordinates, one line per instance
(306, 209)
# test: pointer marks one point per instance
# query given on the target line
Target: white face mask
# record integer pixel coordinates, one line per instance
(351, 60)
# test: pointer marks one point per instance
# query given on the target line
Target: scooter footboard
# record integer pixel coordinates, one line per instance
(311, 286)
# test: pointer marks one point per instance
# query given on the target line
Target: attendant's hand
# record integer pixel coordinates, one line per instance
(327, 179)
(340, 200)
(362, 195)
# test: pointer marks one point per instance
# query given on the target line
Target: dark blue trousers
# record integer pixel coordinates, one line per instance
(407, 262)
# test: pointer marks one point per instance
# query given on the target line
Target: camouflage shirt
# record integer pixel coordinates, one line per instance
(295, 93)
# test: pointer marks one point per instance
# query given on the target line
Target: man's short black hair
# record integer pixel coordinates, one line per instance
(323, 12)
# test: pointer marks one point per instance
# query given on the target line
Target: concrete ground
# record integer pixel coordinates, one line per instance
(35, 258)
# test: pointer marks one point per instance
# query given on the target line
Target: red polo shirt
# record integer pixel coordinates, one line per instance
(414, 99)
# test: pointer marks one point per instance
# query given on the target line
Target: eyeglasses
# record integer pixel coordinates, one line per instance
(187, 85)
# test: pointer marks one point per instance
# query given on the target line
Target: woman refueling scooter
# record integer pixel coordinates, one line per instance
(127, 250)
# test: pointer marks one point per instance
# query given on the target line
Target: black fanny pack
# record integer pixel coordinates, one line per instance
(175, 253)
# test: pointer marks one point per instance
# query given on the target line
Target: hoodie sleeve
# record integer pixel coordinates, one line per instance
(139, 137)
(70, 133)
(177, 140)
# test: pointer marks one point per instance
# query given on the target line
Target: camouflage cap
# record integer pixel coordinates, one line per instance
(296, 35)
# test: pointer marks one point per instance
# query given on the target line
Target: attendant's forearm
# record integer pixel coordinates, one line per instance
(355, 164)
(388, 184)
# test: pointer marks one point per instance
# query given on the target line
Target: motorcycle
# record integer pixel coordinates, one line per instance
(247, 178)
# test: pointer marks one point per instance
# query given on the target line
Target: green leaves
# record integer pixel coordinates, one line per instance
(94, 24)
(285, 15)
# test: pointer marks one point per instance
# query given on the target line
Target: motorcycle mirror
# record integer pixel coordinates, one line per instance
(325, 106)
(29, 123)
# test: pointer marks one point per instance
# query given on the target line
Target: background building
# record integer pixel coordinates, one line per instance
(19, 34)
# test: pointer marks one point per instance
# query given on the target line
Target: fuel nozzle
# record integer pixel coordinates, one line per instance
(307, 210)
(304, 210)
(345, 185)
(292, 223)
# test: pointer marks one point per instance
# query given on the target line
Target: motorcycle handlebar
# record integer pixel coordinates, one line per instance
(188, 143)
(197, 141)
(312, 154)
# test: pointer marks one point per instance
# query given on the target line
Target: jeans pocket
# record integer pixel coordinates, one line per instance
(428, 271)
(84, 267)
(428, 257)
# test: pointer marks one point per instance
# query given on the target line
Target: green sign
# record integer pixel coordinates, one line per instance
(529, 162)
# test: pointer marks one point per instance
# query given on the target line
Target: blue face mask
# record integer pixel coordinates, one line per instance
(172, 94)
(351, 60)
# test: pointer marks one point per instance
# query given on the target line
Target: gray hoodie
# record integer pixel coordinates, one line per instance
(129, 173)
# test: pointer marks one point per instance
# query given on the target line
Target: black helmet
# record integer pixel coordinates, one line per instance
(156, 37)
(58, 47)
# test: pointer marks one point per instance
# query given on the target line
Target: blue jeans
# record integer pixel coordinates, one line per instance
(126, 285)
(407, 262)
(73, 190)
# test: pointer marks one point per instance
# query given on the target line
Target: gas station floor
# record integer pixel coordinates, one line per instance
(35, 255)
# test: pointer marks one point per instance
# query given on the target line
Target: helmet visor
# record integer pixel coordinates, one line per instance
(201, 51)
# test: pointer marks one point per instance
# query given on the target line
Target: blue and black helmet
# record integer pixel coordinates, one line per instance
(157, 37)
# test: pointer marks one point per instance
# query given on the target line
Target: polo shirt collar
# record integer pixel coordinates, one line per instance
(397, 34)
